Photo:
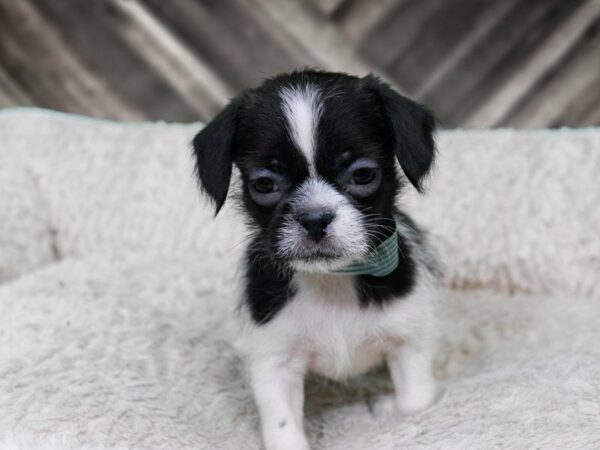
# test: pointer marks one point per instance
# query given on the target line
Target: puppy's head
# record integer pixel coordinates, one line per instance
(316, 152)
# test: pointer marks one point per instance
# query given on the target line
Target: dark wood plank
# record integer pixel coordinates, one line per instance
(198, 87)
(496, 58)
(543, 59)
(482, 27)
(34, 53)
(317, 35)
(11, 94)
(448, 26)
(569, 93)
(474, 62)
(590, 119)
(233, 38)
(358, 18)
(92, 29)
(327, 7)
(394, 34)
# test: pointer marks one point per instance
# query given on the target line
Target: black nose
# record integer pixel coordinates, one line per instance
(315, 223)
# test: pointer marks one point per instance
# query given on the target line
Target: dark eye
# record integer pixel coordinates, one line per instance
(264, 185)
(267, 187)
(364, 175)
(362, 178)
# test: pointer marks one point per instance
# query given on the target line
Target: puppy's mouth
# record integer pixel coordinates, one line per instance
(330, 253)
(308, 251)
(319, 255)
(320, 261)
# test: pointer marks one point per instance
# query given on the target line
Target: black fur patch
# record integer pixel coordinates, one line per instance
(268, 284)
(380, 290)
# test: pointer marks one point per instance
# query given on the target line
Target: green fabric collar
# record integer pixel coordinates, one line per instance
(382, 261)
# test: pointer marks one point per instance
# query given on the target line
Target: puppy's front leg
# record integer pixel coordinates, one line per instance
(411, 371)
(278, 385)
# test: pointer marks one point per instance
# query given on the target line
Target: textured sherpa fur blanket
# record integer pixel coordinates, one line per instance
(117, 286)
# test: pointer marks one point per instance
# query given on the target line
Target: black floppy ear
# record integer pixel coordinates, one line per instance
(213, 150)
(412, 126)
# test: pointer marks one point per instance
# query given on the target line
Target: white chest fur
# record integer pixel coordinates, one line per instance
(338, 337)
(324, 328)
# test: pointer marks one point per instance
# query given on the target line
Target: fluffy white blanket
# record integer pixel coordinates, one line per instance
(116, 288)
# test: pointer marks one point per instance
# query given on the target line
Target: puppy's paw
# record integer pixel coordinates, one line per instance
(383, 406)
(286, 443)
(417, 399)
(410, 403)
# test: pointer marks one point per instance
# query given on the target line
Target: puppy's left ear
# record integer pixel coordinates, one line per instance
(213, 151)
(412, 126)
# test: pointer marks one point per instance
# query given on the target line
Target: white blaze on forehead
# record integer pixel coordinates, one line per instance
(302, 108)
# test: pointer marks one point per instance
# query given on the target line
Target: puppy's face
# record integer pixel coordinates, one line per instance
(316, 152)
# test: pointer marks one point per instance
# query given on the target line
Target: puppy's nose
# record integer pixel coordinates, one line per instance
(315, 223)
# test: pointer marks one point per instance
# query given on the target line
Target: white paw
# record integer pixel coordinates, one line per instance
(413, 402)
(291, 442)
(418, 398)
(384, 406)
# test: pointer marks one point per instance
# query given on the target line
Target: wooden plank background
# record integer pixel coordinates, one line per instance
(521, 63)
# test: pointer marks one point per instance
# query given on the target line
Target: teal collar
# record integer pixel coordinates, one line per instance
(382, 261)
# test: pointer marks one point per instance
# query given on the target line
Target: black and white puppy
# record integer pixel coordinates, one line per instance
(317, 156)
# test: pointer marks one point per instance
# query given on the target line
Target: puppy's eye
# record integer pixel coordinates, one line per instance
(362, 178)
(264, 185)
(267, 187)
(363, 175)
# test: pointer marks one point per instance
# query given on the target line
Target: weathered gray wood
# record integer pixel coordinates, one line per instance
(34, 52)
(92, 30)
(555, 47)
(569, 93)
(448, 26)
(399, 28)
(11, 94)
(497, 58)
(231, 37)
(326, 44)
(474, 62)
(198, 87)
(359, 17)
(591, 118)
(482, 27)
(328, 7)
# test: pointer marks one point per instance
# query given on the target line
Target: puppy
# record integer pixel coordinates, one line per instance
(337, 279)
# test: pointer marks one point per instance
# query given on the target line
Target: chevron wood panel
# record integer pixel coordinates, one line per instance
(521, 63)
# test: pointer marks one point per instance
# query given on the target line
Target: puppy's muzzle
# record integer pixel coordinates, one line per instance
(315, 223)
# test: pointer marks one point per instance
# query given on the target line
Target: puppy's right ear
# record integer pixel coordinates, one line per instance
(213, 151)
(412, 128)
